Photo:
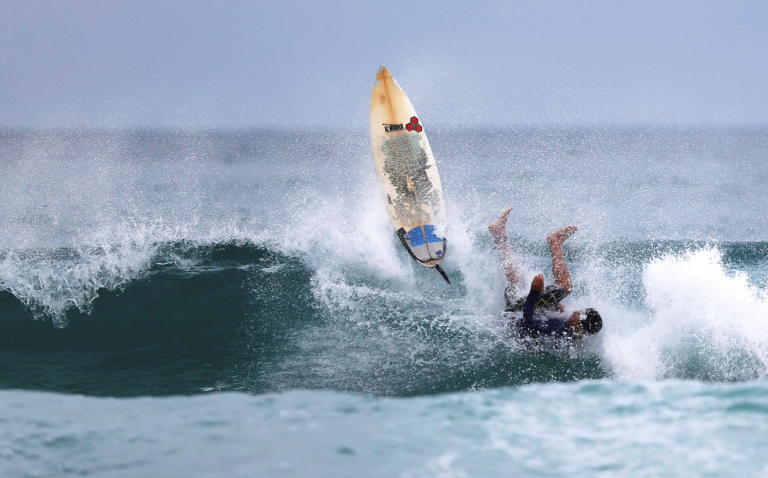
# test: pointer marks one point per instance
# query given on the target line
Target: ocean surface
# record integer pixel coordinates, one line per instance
(236, 303)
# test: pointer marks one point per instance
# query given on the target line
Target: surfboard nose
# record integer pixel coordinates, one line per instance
(381, 75)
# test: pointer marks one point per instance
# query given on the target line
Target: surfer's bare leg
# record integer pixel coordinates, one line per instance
(498, 230)
(559, 268)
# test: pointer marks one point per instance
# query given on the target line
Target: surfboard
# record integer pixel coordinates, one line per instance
(407, 173)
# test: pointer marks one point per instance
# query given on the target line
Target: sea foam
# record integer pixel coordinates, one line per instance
(704, 322)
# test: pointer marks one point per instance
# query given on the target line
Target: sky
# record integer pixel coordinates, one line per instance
(311, 64)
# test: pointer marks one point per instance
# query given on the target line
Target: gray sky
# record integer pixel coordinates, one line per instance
(312, 63)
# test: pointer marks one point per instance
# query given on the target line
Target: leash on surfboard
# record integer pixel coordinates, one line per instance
(442, 273)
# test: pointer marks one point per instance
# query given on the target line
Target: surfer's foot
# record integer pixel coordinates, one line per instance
(498, 228)
(557, 238)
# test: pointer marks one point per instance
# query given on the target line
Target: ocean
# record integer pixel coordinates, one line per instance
(236, 303)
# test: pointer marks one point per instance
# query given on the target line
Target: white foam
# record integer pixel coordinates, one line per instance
(49, 282)
(705, 322)
(347, 232)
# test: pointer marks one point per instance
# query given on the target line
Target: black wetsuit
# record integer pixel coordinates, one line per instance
(537, 310)
(536, 327)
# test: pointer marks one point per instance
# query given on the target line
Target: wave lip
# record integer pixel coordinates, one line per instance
(50, 282)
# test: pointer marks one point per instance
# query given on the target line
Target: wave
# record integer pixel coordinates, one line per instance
(192, 316)
(182, 262)
(241, 316)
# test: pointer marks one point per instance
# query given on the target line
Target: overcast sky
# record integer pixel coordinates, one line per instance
(312, 63)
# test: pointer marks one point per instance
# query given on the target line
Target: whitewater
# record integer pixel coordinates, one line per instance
(235, 303)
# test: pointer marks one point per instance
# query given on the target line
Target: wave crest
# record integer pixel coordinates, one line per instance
(706, 322)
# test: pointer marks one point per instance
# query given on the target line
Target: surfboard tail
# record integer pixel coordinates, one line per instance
(424, 247)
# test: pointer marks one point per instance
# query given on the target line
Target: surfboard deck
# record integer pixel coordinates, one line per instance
(407, 172)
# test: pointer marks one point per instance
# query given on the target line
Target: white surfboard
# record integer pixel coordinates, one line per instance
(407, 172)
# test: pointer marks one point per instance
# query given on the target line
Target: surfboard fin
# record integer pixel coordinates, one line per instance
(442, 273)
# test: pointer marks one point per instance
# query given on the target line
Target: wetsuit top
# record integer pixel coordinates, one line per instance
(534, 327)
(536, 320)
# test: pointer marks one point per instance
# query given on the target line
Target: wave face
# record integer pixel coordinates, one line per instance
(146, 263)
(242, 317)
(581, 429)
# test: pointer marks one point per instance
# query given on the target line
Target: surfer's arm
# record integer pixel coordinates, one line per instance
(530, 302)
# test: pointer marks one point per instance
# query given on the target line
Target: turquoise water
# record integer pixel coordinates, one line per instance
(585, 429)
(236, 303)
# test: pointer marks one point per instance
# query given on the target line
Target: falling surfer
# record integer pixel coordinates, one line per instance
(540, 314)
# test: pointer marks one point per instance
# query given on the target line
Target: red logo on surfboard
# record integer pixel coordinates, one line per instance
(414, 125)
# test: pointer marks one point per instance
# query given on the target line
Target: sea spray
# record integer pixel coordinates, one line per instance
(51, 281)
(263, 261)
(705, 322)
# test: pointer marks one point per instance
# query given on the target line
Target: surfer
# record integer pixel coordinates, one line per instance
(540, 314)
